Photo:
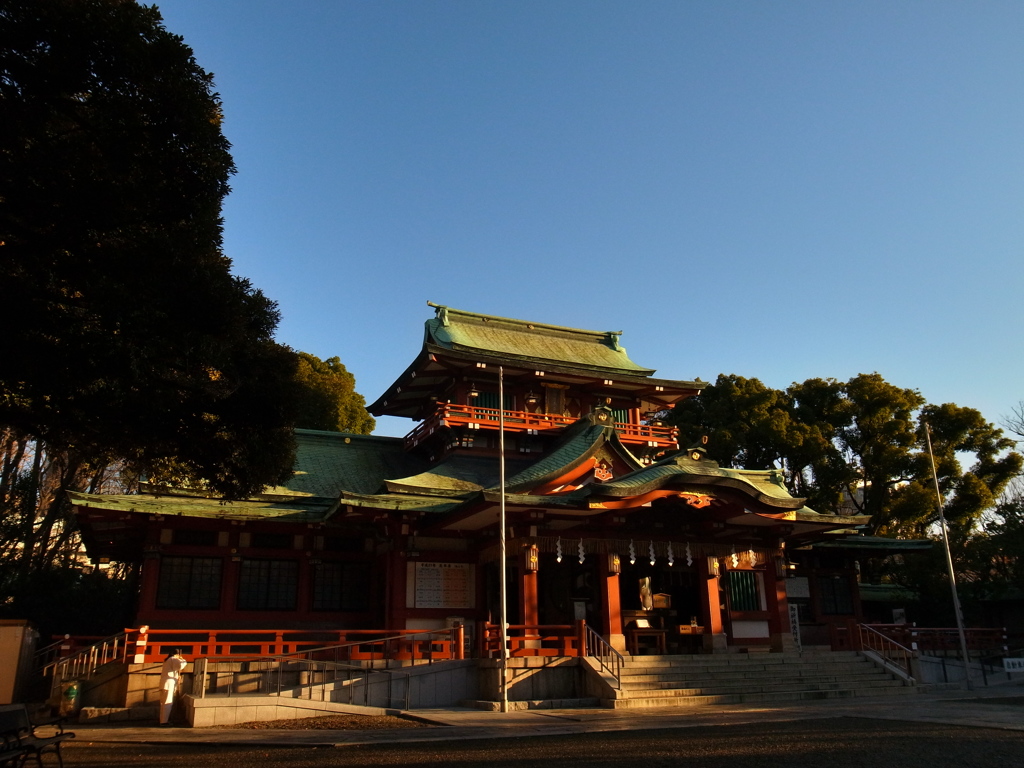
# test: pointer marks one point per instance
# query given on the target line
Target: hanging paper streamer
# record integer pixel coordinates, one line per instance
(558, 550)
(735, 558)
(689, 554)
(651, 550)
(671, 557)
(752, 557)
(632, 553)
(583, 555)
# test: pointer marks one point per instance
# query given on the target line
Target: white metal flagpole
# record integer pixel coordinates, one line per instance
(949, 560)
(501, 536)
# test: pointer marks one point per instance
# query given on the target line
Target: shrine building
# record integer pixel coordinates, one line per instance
(608, 522)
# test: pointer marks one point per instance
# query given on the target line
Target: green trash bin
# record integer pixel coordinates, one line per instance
(70, 698)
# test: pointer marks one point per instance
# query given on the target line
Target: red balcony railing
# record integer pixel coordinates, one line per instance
(474, 417)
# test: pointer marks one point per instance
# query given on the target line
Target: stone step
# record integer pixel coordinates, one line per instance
(762, 668)
(661, 681)
(737, 668)
(667, 681)
(761, 657)
(726, 662)
(709, 690)
(753, 698)
(685, 674)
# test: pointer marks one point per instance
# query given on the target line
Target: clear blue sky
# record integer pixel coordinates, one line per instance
(776, 190)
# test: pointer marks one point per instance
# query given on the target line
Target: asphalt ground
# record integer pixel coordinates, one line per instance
(961, 729)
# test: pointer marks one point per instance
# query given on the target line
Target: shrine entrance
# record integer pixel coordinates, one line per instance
(568, 591)
(660, 607)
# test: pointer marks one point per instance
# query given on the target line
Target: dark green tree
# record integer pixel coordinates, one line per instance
(857, 445)
(328, 399)
(127, 334)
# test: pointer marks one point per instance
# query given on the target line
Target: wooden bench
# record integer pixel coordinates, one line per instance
(21, 741)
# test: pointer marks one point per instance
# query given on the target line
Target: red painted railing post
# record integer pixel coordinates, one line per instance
(141, 645)
(459, 640)
(581, 637)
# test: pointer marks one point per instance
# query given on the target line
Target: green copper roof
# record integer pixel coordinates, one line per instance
(401, 501)
(456, 474)
(328, 463)
(766, 486)
(881, 545)
(521, 340)
(286, 510)
(579, 443)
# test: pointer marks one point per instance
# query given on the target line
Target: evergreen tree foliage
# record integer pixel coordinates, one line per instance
(328, 399)
(857, 446)
(128, 335)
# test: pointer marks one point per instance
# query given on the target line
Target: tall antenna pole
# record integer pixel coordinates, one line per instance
(501, 537)
(949, 560)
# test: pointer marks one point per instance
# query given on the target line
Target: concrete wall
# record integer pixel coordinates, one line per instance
(936, 670)
(533, 679)
(203, 713)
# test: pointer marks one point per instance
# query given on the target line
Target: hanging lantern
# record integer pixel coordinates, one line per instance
(614, 563)
(532, 558)
(558, 550)
(632, 553)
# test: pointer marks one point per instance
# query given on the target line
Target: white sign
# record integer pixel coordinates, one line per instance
(798, 586)
(444, 585)
(1013, 665)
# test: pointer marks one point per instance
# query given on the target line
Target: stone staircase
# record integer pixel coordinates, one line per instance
(743, 678)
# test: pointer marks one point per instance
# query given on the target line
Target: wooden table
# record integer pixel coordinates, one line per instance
(634, 636)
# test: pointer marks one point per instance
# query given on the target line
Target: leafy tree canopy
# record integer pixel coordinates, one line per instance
(328, 398)
(857, 445)
(127, 334)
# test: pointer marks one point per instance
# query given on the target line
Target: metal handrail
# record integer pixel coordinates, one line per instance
(308, 658)
(888, 649)
(318, 673)
(610, 659)
(85, 662)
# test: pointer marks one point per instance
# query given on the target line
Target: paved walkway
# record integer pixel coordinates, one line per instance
(1001, 707)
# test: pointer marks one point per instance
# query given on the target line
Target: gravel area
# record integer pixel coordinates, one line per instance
(832, 743)
(332, 723)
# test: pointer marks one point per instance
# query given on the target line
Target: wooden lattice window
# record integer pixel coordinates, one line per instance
(341, 587)
(835, 595)
(268, 585)
(189, 582)
(745, 591)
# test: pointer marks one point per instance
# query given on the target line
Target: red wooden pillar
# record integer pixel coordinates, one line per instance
(529, 562)
(780, 632)
(710, 604)
(611, 614)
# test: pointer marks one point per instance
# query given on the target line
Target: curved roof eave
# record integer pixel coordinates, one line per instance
(679, 470)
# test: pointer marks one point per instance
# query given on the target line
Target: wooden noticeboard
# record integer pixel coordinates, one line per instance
(442, 585)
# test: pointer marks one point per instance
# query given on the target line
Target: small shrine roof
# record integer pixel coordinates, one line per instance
(876, 545)
(286, 509)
